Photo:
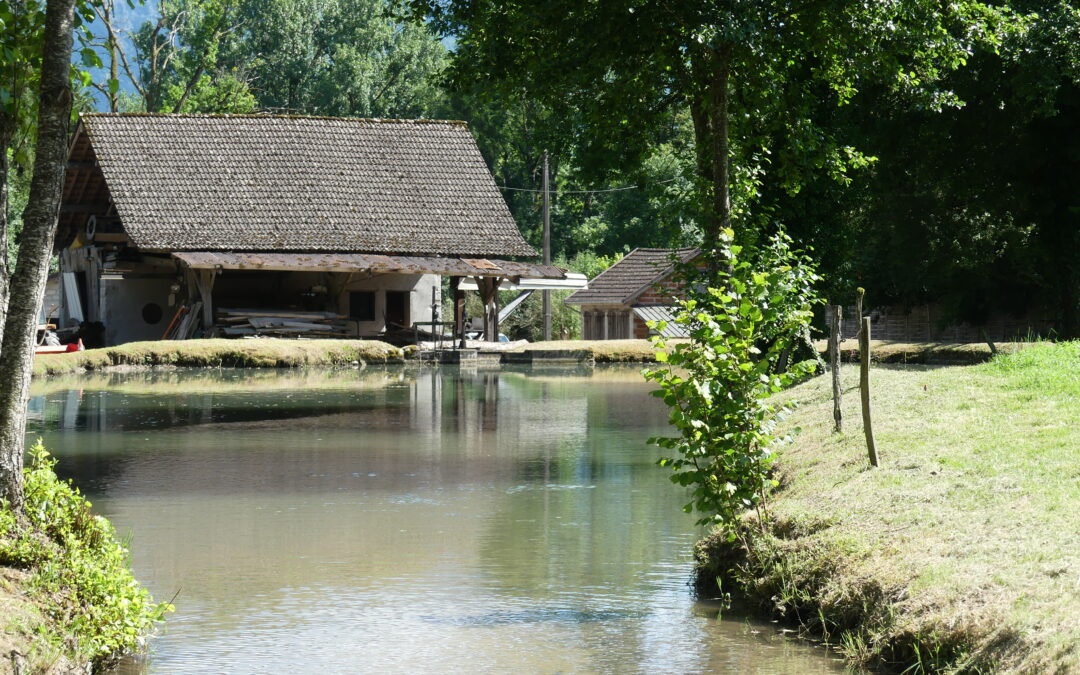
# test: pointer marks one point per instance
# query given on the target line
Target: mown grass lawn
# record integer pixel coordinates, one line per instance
(962, 550)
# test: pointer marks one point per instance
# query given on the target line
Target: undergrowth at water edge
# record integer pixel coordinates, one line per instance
(78, 571)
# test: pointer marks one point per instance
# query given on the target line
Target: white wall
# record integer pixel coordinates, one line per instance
(122, 304)
(419, 286)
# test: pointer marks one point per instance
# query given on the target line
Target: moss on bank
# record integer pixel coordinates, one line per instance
(221, 353)
(889, 351)
(69, 601)
(283, 353)
(961, 553)
(600, 351)
(882, 351)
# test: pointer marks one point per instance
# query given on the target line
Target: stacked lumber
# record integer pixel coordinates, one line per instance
(280, 323)
(184, 323)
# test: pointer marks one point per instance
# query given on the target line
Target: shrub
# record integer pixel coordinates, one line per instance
(741, 322)
(79, 571)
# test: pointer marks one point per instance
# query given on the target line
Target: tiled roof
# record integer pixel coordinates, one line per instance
(665, 313)
(288, 183)
(621, 282)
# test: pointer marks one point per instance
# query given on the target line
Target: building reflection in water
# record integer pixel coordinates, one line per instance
(477, 509)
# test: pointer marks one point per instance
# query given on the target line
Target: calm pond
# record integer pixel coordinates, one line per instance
(416, 520)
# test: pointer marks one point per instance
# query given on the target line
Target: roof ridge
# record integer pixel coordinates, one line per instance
(632, 264)
(251, 182)
(380, 120)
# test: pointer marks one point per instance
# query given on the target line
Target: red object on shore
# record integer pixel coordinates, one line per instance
(61, 349)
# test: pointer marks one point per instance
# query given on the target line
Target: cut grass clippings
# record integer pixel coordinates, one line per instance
(221, 353)
(961, 552)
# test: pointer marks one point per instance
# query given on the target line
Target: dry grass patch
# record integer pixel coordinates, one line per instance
(962, 551)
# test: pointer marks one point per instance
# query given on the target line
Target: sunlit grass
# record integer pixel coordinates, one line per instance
(961, 552)
(972, 522)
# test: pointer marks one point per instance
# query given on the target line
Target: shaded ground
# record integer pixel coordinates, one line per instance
(962, 550)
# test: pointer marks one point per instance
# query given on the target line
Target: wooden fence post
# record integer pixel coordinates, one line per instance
(834, 360)
(864, 388)
(860, 293)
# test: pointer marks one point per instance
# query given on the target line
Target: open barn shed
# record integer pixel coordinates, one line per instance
(184, 226)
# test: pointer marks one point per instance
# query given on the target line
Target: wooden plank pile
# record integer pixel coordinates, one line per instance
(184, 323)
(280, 323)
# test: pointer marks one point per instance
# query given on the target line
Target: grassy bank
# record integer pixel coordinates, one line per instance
(280, 353)
(882, 351)
(600, 351)
(218, 353)
(68, 600)
(888, 351)
(962, 551)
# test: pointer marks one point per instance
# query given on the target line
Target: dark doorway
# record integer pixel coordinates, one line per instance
(397, 309)
(362, 305)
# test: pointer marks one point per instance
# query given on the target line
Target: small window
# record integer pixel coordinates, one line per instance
(152, 313)
(362, 305)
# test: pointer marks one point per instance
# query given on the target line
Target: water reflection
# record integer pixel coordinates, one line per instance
(400, 520)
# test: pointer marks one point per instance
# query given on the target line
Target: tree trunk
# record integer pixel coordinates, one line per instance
(721, 206)
(114, 64)
(36, 244)
(709, 112)
(7, 135)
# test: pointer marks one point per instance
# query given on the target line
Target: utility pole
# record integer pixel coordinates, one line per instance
(547, 248)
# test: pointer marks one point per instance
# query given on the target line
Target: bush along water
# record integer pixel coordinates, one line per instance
(78, 571)
(743, 322)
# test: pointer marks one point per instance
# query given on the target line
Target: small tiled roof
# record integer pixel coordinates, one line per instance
(290, 183)
(624, 280)
(665, 313)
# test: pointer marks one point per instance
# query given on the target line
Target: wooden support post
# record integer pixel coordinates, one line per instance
(834, 360)
(489, 294)
(547, 249)
(459, 310)
(864, 389)
(205, 281)
(493, 310)
(336, 283)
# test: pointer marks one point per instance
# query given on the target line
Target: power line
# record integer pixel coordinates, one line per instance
(583, 192)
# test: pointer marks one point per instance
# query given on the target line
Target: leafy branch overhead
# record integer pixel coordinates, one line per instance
(612, 71)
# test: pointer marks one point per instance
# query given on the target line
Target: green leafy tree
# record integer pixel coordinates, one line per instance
(325, 57)
(612, 71)
(719, 385)
(189, 58)
(339, 57)
(48, 57)
(971, 208)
